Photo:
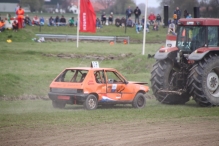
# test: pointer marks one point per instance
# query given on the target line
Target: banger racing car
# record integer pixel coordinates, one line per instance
(93, 86)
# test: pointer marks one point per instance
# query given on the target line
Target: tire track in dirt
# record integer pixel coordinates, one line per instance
(116, 134)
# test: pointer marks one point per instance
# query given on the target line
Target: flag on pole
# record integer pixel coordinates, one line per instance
(87, 17)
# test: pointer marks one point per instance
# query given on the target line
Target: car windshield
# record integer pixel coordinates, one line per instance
(191, 37)
(72, 75)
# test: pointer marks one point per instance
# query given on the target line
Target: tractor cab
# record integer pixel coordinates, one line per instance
(197, 33)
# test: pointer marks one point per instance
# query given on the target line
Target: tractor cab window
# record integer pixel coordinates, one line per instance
(191, 38)
(114, 78)
(72, 75)
(213, 36)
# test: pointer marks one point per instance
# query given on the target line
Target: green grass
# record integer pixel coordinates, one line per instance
(26, 70)
(31, 113)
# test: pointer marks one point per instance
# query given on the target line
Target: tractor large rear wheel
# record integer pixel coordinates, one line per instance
(204, 81)
(161, 77)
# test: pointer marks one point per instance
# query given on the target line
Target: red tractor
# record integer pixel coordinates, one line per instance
(191, 67)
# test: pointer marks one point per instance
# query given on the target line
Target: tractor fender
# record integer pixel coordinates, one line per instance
(163, 53)
(197, 56)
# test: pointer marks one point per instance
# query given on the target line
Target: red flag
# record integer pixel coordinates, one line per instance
(87, 17)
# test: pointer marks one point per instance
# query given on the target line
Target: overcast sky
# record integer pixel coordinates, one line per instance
(151, 3)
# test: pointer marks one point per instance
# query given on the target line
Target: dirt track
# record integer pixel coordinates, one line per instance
(195, 133)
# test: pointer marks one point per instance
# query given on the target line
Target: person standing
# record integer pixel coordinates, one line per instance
(137, 13)
(158, 19)
(128, 12)
(177, 12)
(20, 17)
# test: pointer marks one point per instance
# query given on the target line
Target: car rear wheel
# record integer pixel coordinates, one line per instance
(139, 101)
(91, 102)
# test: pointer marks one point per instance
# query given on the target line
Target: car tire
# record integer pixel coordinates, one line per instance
(91, 102)
(139, 101)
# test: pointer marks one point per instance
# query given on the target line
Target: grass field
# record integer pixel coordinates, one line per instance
(27, 68)
(32, 113)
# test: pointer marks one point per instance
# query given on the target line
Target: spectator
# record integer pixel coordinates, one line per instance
(185, 14)
(62, 21)
(42, 21)
(71, 21)
(123, 22)
(118, 22)
(110, 19)
(103, 18)
(189, 16)
(178, 15)
(20, 17)
(15, 26)
(57, 21)
(2, 25)
(128, 12)
(129, 23)
(8, 18)
(36, 20)
(151, 18)
(51, 22)
(158, 19)
(171, 29)
(155, 26)
(27, 20)
(137, 13)
(98, 23)
(147, 24)
(138, 27)
(169, 22)
(142, 21)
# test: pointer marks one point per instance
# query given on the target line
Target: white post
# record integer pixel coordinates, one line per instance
(78, 23)
(145, 26)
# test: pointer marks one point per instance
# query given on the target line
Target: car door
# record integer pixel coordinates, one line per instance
(116, 86)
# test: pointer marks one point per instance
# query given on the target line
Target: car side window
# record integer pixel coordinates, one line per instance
(114, 77)
(71, 75)
(99, 77)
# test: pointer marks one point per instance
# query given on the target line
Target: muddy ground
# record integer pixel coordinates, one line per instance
(199, 132)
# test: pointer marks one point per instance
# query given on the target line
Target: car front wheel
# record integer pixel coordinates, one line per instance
(139, 101)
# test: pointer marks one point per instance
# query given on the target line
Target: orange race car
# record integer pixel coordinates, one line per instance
(93, 86)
